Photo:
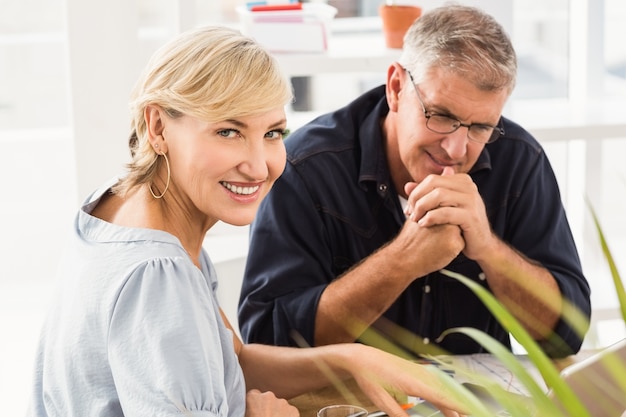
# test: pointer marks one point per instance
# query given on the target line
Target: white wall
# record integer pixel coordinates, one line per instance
(103, 51)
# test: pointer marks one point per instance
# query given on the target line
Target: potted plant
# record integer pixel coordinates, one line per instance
(397, 17)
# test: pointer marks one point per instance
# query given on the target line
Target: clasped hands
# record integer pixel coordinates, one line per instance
(451, 215)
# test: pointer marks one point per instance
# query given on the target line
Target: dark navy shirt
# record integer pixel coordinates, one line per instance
(335, 204)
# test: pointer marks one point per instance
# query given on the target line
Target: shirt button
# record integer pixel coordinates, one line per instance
(481, 276)
(382, 187)
(426, 340)
(426, 289)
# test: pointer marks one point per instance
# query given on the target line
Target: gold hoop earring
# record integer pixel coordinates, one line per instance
(167, 183)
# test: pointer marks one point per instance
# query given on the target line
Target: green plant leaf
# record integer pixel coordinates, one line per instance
(544, 364)
(461, 393)
(510, 402)
(617, 281)
(572, 315)
(372, 337)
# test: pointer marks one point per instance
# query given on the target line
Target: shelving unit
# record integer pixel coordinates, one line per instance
(356, 46)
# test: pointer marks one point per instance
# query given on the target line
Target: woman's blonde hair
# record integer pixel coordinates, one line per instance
(210, 73)
(464, 41)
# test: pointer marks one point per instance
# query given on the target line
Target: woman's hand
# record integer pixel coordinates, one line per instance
(265, 404)
(378, 373)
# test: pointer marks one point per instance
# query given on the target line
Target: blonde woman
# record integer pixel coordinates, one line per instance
(136, 329)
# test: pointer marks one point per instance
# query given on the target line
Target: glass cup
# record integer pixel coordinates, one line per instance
(342, 410)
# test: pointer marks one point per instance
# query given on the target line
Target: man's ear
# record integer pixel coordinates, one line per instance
(395, 81)
(155, 124)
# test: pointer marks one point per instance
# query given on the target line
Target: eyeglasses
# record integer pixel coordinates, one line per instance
(440, 123)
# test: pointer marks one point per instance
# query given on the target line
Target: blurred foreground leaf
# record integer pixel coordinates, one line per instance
(617, 281)
(540, 401)
(541, 361)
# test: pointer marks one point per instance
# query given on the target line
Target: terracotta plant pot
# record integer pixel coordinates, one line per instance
(396, 21)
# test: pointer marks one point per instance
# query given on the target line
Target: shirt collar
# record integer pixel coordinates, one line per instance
(373, 160)
(483, 161)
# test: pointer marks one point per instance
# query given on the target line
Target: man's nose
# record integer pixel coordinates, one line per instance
(455, 143)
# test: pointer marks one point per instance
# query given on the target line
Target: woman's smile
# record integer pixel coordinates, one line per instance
(239, 189)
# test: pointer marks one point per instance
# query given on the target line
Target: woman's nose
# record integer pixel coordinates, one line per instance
(255, 162)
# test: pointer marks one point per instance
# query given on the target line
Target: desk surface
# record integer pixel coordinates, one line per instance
(349, 393)
(308, 404)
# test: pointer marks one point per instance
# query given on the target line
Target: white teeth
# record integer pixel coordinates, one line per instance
(240, 190)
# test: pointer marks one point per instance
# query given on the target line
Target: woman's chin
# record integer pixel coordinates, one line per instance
(238, 220)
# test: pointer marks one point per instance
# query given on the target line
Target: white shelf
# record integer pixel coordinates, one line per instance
(356, 45)
(562, 120)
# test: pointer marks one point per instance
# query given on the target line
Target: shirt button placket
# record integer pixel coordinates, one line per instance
(426, 290)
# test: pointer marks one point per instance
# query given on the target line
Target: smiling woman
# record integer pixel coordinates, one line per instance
(199, 122)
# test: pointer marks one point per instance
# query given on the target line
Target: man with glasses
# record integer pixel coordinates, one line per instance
(417, 176)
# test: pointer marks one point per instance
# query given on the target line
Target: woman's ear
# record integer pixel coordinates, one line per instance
(395, 81)
(155, 124)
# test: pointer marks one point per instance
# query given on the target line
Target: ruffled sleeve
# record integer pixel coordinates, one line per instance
(169, 350)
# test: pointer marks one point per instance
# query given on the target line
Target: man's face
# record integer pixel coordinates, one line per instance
(415, 151)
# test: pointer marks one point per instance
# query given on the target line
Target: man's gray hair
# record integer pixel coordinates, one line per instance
(464, 41)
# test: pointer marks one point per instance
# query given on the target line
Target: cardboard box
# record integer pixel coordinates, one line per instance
(305, 30)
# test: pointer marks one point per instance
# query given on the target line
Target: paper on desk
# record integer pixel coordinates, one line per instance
(491, 367)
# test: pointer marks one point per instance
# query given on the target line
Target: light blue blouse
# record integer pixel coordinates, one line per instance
(135, 330)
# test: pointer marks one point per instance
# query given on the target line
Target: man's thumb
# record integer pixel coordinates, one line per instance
(448, 170)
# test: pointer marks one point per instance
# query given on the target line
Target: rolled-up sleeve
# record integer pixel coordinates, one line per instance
(535, 223)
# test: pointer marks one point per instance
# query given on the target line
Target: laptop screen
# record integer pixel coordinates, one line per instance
(599, 381)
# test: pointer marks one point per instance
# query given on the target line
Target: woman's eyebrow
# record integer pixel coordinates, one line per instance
(276, 125)
(236, 122)
(279, 124)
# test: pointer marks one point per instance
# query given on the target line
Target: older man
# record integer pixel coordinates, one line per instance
(415, 176)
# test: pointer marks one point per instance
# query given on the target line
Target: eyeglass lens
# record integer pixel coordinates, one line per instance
(444, 124)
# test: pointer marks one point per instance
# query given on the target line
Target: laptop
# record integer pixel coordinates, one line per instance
(594, 380)
(591, 379)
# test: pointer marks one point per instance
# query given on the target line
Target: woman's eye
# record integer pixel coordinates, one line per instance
(277, 134)
(228, 133)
